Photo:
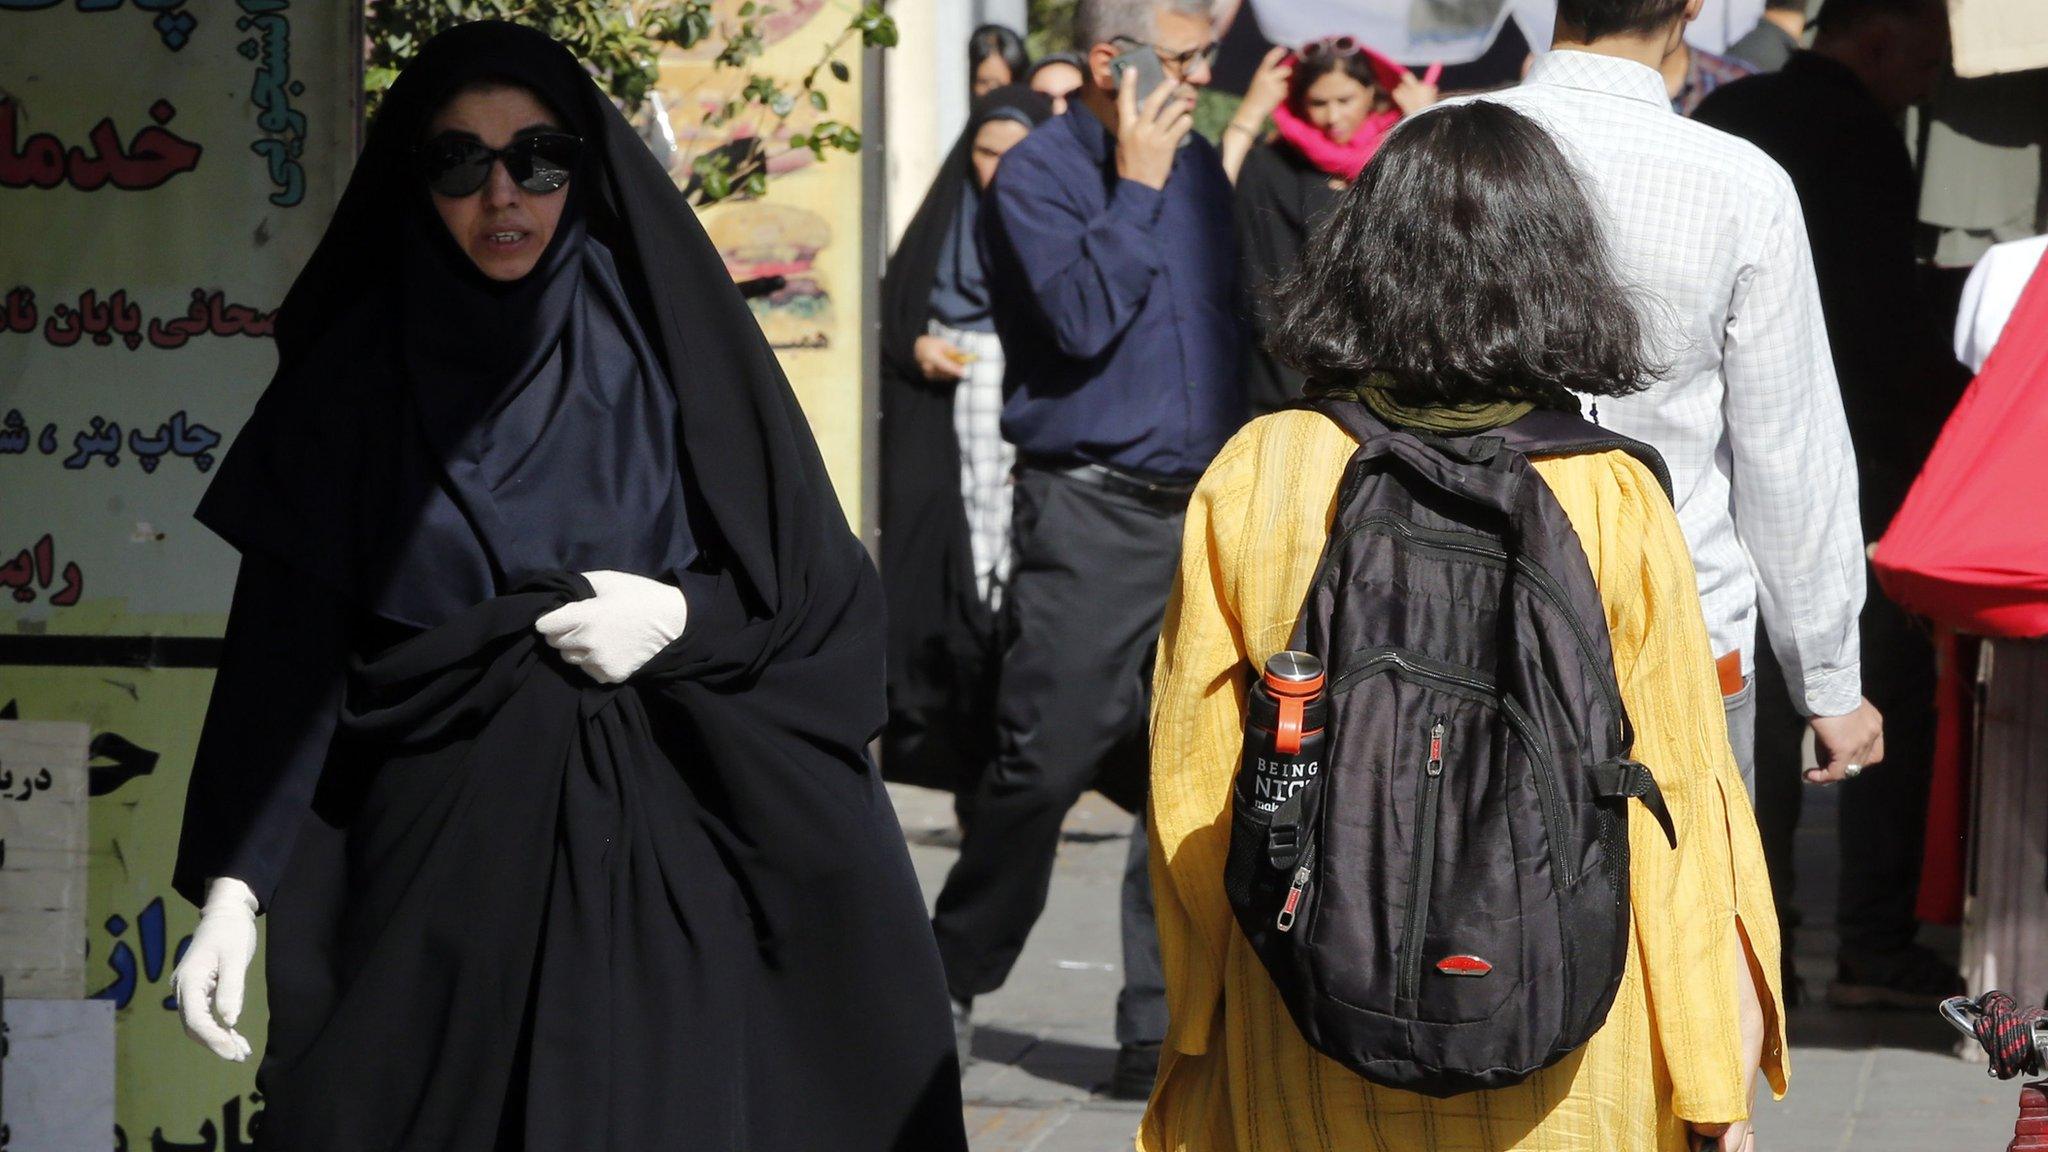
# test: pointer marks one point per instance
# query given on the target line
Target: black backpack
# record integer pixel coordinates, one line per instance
(1463, 854)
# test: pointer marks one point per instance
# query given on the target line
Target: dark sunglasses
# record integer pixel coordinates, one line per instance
(456, 166)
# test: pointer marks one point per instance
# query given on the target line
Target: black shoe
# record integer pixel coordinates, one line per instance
(1912, 978)
(963, 1031)
(1137, 1067)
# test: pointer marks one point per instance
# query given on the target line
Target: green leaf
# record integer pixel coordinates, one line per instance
(696, 27)
(841, 72)
(818, 100)
(878, 30)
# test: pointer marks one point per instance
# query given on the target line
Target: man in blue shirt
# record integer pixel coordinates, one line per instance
(1112, 276)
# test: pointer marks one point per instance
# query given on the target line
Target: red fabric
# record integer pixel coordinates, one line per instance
(1945, 854)
(1344, 161)
(1969, 547)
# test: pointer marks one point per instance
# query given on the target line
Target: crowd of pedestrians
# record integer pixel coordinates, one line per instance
(1439, 518)
(1113, 324)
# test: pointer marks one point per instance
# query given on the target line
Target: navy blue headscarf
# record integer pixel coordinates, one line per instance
(548, 418)
(529, 426)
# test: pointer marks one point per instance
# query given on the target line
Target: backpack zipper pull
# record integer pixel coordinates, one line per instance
(1436, 748)
(1285, 922)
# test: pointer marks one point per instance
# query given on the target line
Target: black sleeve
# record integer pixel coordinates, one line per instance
(1899, 375)
(275, 703)
(1270, 248)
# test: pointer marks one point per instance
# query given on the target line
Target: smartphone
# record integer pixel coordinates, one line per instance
(1148, 75)
(1141, 60)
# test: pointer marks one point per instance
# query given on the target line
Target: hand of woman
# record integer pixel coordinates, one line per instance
(939, 360)
(1267, 89)
(1265, 93)
(616, 632)
(213, 973)
(1413, 94)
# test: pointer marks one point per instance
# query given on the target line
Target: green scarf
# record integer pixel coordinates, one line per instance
(1443, 419)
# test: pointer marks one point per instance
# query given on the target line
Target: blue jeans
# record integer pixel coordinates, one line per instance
(1741, 709)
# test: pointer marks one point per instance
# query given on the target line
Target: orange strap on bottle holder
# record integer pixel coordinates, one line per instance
(1287, 733)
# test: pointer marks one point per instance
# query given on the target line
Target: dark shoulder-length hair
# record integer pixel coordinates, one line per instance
(996, 40)
(1465, 265)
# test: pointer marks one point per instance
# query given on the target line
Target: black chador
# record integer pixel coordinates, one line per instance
(944, 640)
(511, 907)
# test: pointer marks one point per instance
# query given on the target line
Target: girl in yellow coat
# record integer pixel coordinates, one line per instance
(1460, 283)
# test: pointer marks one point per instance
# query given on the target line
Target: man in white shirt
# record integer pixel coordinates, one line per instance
(1748, 413)
(1831, 118)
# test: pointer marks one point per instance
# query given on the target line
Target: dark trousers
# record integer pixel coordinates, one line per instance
(1779, 799)
(1091, 572)
(1883, 811)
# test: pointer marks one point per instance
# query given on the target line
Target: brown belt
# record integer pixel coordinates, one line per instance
(1730, 669)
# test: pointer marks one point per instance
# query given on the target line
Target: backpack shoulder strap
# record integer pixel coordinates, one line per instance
(1472, 468)
(1551, 432)
(1543, 432)
(1349, 415)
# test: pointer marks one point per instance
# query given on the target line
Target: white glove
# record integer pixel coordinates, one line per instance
(210, 979)
(615, 633)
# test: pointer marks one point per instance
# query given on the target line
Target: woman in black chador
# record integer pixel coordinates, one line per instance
(540, 729)
(945, 466)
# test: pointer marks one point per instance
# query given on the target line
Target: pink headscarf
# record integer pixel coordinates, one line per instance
(1346, 160)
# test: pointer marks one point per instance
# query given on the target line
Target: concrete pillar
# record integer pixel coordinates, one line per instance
(926, 90)
(910, 74)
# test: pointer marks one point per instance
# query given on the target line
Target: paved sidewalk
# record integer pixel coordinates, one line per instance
(1862, 1082)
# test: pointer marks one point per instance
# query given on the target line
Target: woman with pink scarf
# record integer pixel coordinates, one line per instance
(1332, 103)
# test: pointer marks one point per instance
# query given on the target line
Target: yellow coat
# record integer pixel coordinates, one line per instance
(1236, 1075)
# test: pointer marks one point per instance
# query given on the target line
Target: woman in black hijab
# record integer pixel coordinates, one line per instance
(945, 466)
(1058, 75)
(996, 58)
(1332, 103)
(540, 726)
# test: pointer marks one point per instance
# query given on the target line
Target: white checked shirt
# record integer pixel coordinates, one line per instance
(1748, 414)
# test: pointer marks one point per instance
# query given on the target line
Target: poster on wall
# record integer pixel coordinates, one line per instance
(806, 230)
(165, 168)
